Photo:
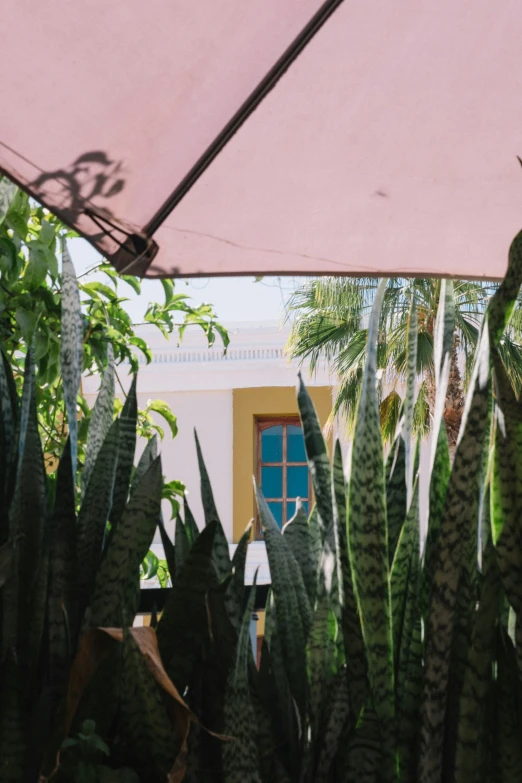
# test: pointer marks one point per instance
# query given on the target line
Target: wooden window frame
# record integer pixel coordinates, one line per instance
(263, 423)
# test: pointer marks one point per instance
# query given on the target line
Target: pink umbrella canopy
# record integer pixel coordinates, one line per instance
(227, 137)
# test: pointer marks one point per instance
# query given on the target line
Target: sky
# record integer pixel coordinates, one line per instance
(235, 299)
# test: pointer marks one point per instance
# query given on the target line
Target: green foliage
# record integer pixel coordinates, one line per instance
(74, 325)
(67, 566)
(329, 319)
(385, 659)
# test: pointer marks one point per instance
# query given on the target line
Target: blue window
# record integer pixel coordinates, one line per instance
(282, 468)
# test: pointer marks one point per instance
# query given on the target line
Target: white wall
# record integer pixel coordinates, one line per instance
(211, 413)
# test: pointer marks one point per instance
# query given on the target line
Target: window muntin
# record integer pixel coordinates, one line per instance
(282, 468)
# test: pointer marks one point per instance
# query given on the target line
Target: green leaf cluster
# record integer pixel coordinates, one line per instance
(35, 310)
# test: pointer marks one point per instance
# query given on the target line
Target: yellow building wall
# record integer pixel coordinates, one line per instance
(262, 401)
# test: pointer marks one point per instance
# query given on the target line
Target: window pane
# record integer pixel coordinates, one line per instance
(272, 482)
(295, 444)
(277, 512)
(297, 482)
(272, 444)
(290, 509)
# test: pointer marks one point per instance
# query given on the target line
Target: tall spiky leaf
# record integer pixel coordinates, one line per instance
(126, 449)
(457, 525)
(28, 525)
(114, 595)
(337, 718)
(149, 454)
(62, 602)
(181, 543)
(8, 422)
(405, 568)
(506, 487)
(94, 513)
(100, 423)
(297, 533)
(503, 302)
(221, 551)
(292, 606)
(184, 624)
(367, 539)
(147, 731)
(71, 348)
(190, 522)
(168, 548)
(506, 722)
(396, 495)
(409, 397)
(24, 592)
(351, 632)
(240, 757)
(473, 725)
(317, 454)
(235, 592)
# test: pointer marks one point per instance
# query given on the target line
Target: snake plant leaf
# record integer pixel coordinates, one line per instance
(317, 454)
(147, 731)
(439, 480)
(473, 725)
(28, 526)
(190, 523)
(507, 747)
(338, 715)
(315, 532)
(114, 594)
(221, 551)
(409, 397)
(13, 722)
(62, 600)
(100, 423)
(297, 533)
(274, 690)
(8, 422)
(396, 498)
(409, 703)
(440, 454)
(94, 513)
(149, 454)
(234, 595)
(321, 658)
(24, 593)
(458, 523)
(367, 535)
(183, 625)
(127, 446)
(365, 754)
(405, 577)
(240, 756)
(292, 606)
(402, 570)
(503, 301)
(71, 348)
(181, 543)
(351, 631)
(168, 548)
(506, 487)
(207, 495)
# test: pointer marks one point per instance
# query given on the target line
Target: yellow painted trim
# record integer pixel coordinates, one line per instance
(246, 405)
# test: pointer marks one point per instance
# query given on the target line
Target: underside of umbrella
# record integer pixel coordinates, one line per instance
(227, 137)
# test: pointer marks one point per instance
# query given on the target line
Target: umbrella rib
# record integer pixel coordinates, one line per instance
(251, 103)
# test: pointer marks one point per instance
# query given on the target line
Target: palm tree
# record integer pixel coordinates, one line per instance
(329, 317)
